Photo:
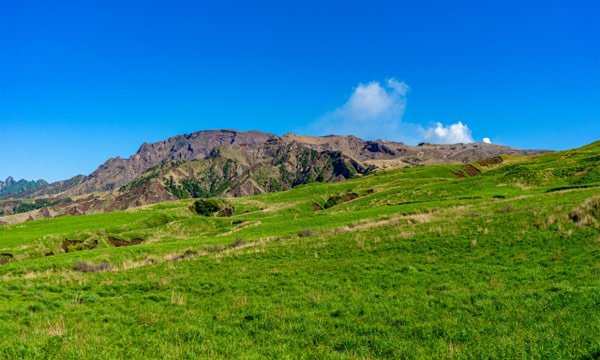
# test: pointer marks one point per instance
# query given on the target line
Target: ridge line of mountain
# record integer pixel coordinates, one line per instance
(117, 172)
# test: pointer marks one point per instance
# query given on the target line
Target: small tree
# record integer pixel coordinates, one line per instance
(207, 207)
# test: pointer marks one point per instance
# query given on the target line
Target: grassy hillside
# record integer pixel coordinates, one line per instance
(500, 258)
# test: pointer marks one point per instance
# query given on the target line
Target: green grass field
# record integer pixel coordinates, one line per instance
(421, 263)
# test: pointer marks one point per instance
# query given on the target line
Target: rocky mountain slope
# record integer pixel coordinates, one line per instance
(239, 163)
(117, 172)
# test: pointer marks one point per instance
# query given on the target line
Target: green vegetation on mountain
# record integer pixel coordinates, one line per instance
(11, 187)
(21, 206)
(496, 259)
(231, 171)
(236, 163)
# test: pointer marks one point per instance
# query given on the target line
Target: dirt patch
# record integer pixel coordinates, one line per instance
(45, 213)
(120, 242)
(459, 175)
(349, 196)
(73, 211)
(495, 160)
(78, 245)
(338, 199)
(471, 170)
(4, 258)
(70, 243)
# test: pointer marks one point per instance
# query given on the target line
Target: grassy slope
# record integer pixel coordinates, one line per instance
(427, 265)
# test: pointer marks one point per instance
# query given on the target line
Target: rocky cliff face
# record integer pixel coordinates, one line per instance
(233, 170)
(239, 163)
(118, 172)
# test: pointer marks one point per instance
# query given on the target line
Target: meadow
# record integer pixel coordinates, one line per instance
(499, 259)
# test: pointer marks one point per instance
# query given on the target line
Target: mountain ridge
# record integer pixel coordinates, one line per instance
(10, 186)
(234, 163)
(117, 172)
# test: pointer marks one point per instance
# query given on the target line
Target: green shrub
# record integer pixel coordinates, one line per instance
(207, 207)
(226, 210)
(333, 201)
(338, 199)
(588, 213)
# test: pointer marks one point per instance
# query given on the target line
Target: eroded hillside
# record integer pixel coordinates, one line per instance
(230, 163)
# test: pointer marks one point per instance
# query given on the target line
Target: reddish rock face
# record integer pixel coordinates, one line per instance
(45, 213)
(242, 163)
(118, 172)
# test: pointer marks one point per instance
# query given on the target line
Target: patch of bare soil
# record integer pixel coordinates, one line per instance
(4, 258)
(45, 213)
(338, 199)
(120, 242)
(349, 196)
(494, 160)
(471, 170)
(78, 245)
(74, 211)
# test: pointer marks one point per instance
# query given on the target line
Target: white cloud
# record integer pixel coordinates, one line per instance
(374, 110)
(487, 140)
(451, 134)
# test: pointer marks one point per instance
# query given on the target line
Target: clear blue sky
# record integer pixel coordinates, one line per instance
(82, 81)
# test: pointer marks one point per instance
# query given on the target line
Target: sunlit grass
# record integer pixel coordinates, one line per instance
(422, 264)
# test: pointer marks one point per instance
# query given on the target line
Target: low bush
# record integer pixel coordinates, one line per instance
(212, 207)
(588, 213)
(338, 199)
(86, 267)
(226, 210)
(238, 243)
(306, 233)
(333, 201)
(206, 207)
